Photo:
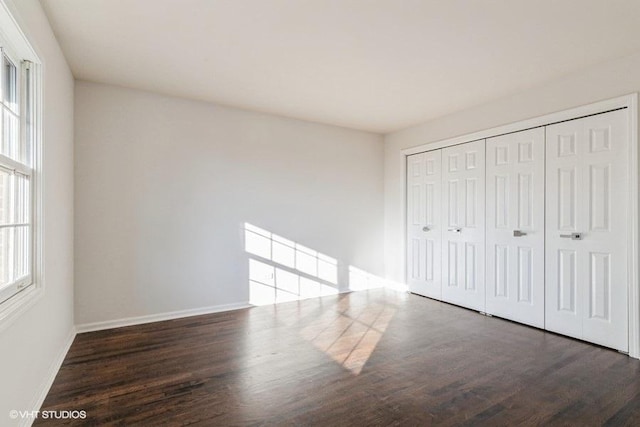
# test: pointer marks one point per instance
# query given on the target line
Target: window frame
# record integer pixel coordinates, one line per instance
(29, 76)
(14, 167)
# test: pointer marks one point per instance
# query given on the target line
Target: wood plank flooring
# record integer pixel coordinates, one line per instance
(370, 358)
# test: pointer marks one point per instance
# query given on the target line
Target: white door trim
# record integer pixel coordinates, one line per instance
(630, 102)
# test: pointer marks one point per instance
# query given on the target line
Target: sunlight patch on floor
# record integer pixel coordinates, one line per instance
(350, 335)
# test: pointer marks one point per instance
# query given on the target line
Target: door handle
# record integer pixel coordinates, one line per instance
(518, 233)
(572, 236)
(426, 228)
(455, 230)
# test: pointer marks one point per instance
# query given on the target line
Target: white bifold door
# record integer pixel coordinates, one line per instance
(515, 227)
(424, 227)
(463, 244)
(586, 238)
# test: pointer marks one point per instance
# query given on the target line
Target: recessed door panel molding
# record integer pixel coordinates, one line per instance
(424, 224)
(452, 264)
(567, 276)
(525, 200)
(600, 189)
(600, 286)
(565, 187)
(515, 226)
(525, 274)
(463, 206)
(586, 236)
(501, 200)
(501, 283)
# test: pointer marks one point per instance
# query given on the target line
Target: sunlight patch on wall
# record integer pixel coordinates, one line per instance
(360, 280)
(286, 270)
(269, 285)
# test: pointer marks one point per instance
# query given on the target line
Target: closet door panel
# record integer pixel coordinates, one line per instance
(606, 177)
(586, 261)
(424, 226)
(463, 247)
(515, 227)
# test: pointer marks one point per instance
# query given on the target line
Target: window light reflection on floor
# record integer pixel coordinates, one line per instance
(350, 335)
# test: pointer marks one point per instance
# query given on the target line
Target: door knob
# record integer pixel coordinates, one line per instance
(456, 230)
(518, 233)
(426, 228)
(572, 236)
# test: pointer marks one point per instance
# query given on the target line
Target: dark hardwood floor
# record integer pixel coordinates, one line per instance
(370, 358)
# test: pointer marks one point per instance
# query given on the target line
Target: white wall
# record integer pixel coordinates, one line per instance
(605, 81)
(164, 186)
(31, 346)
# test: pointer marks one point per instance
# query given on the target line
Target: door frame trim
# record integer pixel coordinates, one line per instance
(628, 102)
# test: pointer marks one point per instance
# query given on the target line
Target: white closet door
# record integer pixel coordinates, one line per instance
(515, 227)
(587, 186)
(463, 170)
(424, 226)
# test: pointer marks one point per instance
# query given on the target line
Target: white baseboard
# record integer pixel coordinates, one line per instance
(50, 377)
(159, 317)
(139, 320)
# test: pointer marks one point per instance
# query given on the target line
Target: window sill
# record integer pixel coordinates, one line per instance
(15, 306)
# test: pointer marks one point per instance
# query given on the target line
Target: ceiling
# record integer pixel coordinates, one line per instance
(375, 65)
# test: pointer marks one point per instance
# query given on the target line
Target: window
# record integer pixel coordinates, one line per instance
(16, 175)
(19, 175)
